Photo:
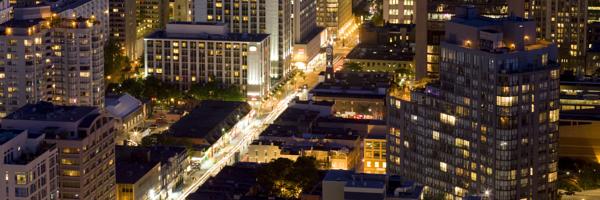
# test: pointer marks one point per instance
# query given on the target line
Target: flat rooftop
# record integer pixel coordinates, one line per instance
(208, 115)
(132, 162)
(20, 23)
(234, 37)
(237, 180)
(46, 111)
(355, 82)
(380, 52)
(8, 134)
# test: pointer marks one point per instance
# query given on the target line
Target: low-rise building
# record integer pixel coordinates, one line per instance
(347, 185)
(127, 110)
(150, 172)
(211, 125)
(262, 151)
(29, 166)
(355, 95)
(191, 53)
(393, 35)
(374, 154)
(380, 58)
(323, 107)
(232, 182)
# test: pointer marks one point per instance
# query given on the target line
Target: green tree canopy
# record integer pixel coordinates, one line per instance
(287, 179)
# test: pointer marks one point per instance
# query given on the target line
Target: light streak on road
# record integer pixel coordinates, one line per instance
(225, 155)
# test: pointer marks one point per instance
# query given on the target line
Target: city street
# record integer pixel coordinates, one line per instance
(245, 133)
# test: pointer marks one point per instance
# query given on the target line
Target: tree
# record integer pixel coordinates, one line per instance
(305, 172)
(274, 172)
(216, 91)
(115, 61)
(378, 19)
(286, 179)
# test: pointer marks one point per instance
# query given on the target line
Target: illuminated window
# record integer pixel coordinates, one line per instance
(447, 119)
(84, 74)
(436, 135)
(73, 173)
(461, 143)
(554, 115)
(552, 177)
(21, 178)
(505, 101)
(443, 166)
(70, 150)
(65, 161)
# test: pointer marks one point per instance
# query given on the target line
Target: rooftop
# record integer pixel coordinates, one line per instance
(121, 105)
(356, 82)
(59, 6)
(297, 115)
(8, 134)
(207, 116)
(238, 37)
(46, 111)
(380, 52)
(132, 163)
(237, 180)
(19, 23)
(281, 130)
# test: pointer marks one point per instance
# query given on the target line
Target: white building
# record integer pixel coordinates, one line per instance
(190, 53)
(29, 166)
(273, 17)
(93, 9)
(50, 58)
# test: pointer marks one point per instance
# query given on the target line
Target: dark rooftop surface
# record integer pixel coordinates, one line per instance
(316, 103)
(63, 5)
(45, 111)
(356, 81)
(585, 114)
(297, 115)
(351, 121)
(236, 180)
(238, 37)
(332, 133)
(132, 163)
(204, 118)
(380, 52)
(17, 23)
(281, 130)
(8, 134)
(348, 95)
